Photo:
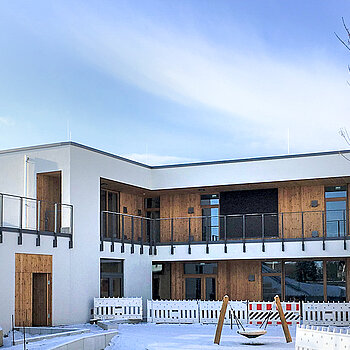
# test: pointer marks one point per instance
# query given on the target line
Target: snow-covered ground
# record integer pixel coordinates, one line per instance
(185, 337)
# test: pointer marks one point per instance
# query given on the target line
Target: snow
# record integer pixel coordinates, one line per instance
(151, 336)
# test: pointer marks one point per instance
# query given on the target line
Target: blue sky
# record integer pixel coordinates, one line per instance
(175, 81)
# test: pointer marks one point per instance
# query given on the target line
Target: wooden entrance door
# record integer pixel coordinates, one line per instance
(33, 292)
(39, 299)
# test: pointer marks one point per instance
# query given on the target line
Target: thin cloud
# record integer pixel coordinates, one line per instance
(6, 121)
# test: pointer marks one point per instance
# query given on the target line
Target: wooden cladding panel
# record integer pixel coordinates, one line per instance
(176, 206)
(133, 203)
(233, 280)
(177, 281)
(25, 266)
(292, 201)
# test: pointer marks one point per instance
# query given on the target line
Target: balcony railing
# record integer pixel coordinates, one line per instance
(240, 228)
(25, 215)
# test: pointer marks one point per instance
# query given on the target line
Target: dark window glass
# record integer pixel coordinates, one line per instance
(210, 288)
(111, 266)
(336, 218)
(271, 287)
(271, 267)
(304, 280)
(209, 199)
(336, 281)
(200, 268)
(335, 191)
(104, 286)
(193, 288)
(111, 283)
(210, 224)
(153, 202)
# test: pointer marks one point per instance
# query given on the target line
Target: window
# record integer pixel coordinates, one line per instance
(111, 278)
(271, 279)
(304, 281)
(336, 211)
(109, 205)
(152, 206)
(200, 281)
(336, 281)
(210, 220)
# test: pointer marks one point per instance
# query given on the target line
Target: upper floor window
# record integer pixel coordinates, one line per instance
(210, 213)
(336, 210)
(209, 199)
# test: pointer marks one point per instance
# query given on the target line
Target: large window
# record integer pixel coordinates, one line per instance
(336, 211)
(210, 213)
(200, 281)
(271, 279)
(109, 205)
(336, 281)
(304, 280)
(111, 278)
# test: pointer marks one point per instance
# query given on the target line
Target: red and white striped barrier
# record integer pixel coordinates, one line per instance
(259, 310)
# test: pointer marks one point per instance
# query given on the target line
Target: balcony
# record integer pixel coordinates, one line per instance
(23, 215)
(225, 230)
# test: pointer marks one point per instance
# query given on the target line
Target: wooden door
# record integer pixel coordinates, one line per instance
(39, 299)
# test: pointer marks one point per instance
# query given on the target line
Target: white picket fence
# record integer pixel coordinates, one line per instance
(118, 309)
(320, 338)
(258, 311)
(326, 314)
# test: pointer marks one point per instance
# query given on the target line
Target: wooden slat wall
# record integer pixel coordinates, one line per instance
(133, 203)
(26, 265)
(175, 206)
(232, 279)
(292, 201)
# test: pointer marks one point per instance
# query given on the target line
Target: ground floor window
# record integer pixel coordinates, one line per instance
(111, 278)
(306, 280)
(161, 282)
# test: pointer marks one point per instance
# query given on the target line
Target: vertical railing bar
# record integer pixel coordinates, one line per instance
(154, 237)
(243, 233)
(71, 227)
(282, 227)
(55, 226)
(263, 232)
(38, 223)
(302, 232)
(141, 247)
(172, 235)
(122, 248)
(344, 225)
(206, 234)
(132, 235)
(101, 231)
(114, 216)
(189, 235)
(225, 233)
(150, 236)
(323, 233)
(20, 237)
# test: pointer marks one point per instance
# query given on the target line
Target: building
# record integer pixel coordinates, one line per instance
(77, 223)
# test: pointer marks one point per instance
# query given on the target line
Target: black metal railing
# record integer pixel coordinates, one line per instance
(24, 215)
(242, 228)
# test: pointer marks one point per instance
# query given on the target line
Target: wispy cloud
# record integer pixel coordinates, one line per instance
(306, 93)
(6, 121)
(157, 159)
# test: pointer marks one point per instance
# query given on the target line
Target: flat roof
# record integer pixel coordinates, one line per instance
(225, 161)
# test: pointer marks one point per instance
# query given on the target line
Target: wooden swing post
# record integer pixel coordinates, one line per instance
(283, 319)
(221, 320)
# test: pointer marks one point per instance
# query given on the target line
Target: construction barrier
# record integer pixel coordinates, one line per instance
(320, 338)
(259, 310)
(118, 308)
(326, 314)
(209, 311)
(172, 311)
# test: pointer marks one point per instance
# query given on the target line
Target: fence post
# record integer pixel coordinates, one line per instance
(189, 235)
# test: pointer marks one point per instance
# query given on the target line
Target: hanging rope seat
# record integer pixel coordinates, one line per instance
(249, 332)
